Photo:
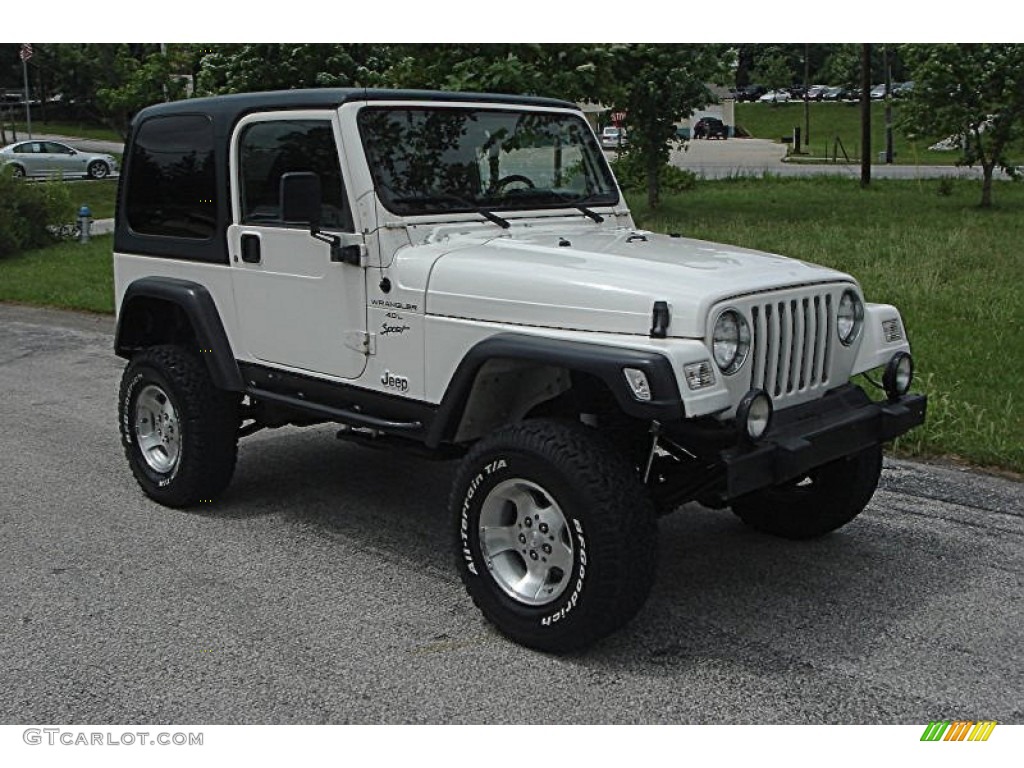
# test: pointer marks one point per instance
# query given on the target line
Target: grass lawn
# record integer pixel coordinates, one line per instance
(954, 271)
(79, 130)
(100, 196)
(828, 120)
(67, 275)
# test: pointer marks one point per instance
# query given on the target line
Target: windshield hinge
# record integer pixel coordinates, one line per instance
(361, 341)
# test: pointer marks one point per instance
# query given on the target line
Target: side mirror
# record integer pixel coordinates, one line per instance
(299, 197)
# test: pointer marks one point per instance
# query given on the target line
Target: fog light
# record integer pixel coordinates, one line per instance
(754, 414)
(899, 373)
(637, 380)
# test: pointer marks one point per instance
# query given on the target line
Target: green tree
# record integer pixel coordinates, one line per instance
(975, 91)
(657, 86)
(282, 66)
(773, 70)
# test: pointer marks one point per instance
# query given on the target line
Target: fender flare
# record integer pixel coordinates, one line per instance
(199, 308)
(599, 360)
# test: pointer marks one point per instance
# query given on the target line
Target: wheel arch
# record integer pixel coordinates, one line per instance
(166, 310)
(505, 376)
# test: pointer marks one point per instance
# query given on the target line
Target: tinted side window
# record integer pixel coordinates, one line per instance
(171, 185)
(269, 149)
(25, 149)
(55, 149)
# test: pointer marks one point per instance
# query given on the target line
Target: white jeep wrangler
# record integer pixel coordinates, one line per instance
(460, 272)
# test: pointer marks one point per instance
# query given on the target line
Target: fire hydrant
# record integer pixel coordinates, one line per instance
(84, 223)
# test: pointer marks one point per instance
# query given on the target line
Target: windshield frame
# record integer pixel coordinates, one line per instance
(592, 155)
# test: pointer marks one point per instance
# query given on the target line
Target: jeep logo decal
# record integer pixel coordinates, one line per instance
(394, 382)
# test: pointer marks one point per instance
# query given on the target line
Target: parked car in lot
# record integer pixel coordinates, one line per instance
(879, 91)
(835, 93)
(710, 128)
(816, 92)
(749, 92)
(613, 137)
(900, 90)
(51, 158)
(775, 96)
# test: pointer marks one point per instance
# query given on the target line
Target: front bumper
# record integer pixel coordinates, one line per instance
(811, 435)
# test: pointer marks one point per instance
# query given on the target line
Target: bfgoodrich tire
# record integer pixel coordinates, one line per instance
(555, 535)
(179, 432)
(825, 499)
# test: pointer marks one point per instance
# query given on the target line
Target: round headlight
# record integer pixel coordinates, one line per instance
(850, 317)
(730, 341)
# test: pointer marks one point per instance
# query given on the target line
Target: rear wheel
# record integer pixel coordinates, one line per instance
(179, 432)
(817, 503)
(17, 171)
(556, 537)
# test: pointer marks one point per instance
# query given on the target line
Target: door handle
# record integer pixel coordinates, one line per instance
(251, 249)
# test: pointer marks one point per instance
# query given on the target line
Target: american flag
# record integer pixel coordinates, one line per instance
(26, 51)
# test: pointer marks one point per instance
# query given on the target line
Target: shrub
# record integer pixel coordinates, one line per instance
(27, 210)
(632, 175)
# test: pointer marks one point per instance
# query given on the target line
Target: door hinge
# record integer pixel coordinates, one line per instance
(361, 341)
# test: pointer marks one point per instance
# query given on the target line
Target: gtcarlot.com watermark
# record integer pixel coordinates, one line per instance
(73, 738)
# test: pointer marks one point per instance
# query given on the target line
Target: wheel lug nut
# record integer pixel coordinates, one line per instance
(543, 527)
(529, 522)
(533, 554)
(547, 549)
(522, 538)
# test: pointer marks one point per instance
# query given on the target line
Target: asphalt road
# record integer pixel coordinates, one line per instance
(320, 589)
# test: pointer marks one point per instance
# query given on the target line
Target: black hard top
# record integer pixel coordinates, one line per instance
(230, 107)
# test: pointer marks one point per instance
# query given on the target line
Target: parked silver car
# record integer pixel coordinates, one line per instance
(613, 137)
(51, 158)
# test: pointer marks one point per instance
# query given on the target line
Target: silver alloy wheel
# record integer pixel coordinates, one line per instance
(525, 541)
(157, 429)
(98, 169)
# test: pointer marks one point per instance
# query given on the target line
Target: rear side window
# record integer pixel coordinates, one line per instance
(269, 149)
(171, 185)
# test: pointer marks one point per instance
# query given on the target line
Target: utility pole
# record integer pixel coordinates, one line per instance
(888, 107)
(807, 103)
(865, 114)
(26, 54)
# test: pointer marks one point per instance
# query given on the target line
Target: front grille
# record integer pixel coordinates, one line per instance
(792, 344)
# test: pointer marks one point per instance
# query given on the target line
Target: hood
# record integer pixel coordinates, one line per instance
(603, 280)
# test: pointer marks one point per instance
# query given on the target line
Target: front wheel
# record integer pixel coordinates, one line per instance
(98, 170)
(556, 537)
(821, 501)
(179, 432)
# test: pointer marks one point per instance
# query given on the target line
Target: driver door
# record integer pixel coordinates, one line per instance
(296, 308)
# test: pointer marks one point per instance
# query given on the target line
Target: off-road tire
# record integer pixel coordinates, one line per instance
(610, 528)
(825, 499)
(206, 429)
(98, 170)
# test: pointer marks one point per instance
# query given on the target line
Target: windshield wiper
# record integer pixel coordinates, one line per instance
(580, 204)
(470, 206)
(589, 213)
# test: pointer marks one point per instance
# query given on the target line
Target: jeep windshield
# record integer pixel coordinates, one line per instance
(429, 160)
